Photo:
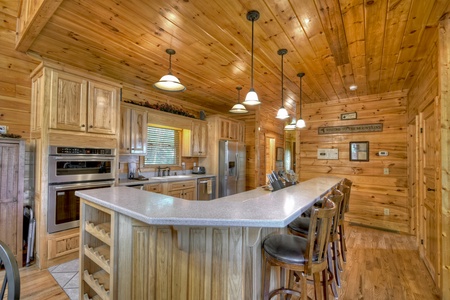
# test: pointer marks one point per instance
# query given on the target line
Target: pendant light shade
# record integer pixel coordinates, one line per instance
(301, 123)
(169, 82)
(291, 126)
(252, 97)
(238, 108)
(282, 112)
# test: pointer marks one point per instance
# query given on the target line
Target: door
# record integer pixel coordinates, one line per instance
(429, 214)
(102, 108)
(138, 132)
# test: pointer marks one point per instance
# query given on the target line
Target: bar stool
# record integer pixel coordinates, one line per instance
(302, 256)
(346, 188)
(300, 227)
(11, 281)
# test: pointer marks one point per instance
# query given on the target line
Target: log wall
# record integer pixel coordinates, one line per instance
(15, 90)
(373, 192)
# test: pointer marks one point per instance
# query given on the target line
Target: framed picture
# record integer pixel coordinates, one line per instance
(280, 153)
(359, 151)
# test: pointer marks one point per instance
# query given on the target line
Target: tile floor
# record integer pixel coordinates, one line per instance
(66, 275)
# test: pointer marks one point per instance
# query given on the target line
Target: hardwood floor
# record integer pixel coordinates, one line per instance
(380, 265)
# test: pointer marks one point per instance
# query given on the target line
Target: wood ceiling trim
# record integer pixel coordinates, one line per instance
(37, 22)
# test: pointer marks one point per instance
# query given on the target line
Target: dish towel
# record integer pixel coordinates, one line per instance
(209, 187)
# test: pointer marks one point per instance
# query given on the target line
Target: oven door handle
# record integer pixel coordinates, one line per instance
(60, 187)
(83, 158)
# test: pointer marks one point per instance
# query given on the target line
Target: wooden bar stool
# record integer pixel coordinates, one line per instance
(346, 188)
(300, 227)
(302, 256)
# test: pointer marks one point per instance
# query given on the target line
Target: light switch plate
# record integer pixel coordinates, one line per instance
(3, 129)
(327, 154)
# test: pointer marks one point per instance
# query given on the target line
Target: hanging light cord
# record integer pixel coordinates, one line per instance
(170, 64)
(282, 81)
(253, 29)
(301, 79)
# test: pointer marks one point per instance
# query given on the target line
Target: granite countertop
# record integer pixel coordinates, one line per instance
(255, 208)
(125, 182)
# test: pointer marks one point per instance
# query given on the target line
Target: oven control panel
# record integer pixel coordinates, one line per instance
(57, 150)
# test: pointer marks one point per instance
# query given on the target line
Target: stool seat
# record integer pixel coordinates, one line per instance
(289, 249)
(300, 225)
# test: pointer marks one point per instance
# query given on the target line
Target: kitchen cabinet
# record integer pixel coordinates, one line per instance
(133, 130)
(230, 129)
(195, 140)
(154, 187)
(12, 162)
(79, 104)
(182, 189)
(98, 242)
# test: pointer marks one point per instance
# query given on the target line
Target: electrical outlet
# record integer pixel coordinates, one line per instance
(386, 171)
(3, 129)
(386, 211)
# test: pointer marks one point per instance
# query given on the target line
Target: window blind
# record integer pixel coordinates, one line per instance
(163, 146)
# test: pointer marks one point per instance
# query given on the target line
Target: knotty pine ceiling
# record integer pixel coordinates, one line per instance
(379, 45)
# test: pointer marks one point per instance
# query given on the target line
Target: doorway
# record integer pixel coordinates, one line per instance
(270, 155)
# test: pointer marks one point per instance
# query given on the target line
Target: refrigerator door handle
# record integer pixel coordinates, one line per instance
(237, 167)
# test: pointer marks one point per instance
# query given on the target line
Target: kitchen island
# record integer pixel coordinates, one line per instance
(141, 245)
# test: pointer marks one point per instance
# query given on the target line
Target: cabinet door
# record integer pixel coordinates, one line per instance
(199, 138)
(138, 132)
(224, 129)
(233, 130)
(11, 196)
(153, 187)
(125, 128)
(178, 193)
(68, 102)
(189, 194)
(102, 108)
(241, 133)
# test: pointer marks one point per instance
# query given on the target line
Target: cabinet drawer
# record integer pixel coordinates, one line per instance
(154, 187)
(181, 185)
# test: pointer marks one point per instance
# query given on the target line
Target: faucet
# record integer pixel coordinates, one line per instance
(168, 171)
(159, 171)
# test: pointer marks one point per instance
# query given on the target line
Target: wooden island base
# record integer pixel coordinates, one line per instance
(126, 258)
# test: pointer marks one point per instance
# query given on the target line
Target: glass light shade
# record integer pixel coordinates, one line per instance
(251, 98)
(238, 109)
(282, 113)
(290, 126)
(169, 83)
(301, 123)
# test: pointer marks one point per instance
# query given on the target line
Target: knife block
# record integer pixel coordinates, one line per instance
(277, 185)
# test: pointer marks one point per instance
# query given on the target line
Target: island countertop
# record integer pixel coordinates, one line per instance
(254, 208)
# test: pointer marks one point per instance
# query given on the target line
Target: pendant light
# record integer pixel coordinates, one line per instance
(169, 82)
(252, 97)
(282, 112)
(292, 125)
(301, 122)
(238, 108)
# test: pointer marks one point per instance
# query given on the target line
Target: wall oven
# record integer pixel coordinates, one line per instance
(72, 169)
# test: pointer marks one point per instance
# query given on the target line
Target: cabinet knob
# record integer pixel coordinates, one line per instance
(82, 125)
(91, 126)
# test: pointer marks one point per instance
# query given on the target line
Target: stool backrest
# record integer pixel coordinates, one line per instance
(338, 198)
(321, 221)
(11, 281)
(346, 187)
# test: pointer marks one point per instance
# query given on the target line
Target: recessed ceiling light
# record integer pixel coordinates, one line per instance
(307, 20)
(353, 87)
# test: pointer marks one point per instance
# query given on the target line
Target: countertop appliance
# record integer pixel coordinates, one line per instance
(72, 169)
(231, 168)
(206, 188)
(198, 170)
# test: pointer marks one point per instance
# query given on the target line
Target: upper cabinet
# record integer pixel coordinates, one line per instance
(195, 139)
(199, 138)
(230, 129)
(78, 104)
(133, 130)
(68, 101)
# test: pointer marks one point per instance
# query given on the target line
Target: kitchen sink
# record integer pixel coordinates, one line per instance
(173, 177)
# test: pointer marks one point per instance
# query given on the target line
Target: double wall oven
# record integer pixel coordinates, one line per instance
(72, 169)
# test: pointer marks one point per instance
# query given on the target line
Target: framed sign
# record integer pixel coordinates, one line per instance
(349, 116)
(359, 151)
(280, 152)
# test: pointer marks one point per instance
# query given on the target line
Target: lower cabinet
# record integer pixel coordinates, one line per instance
(98, 242)
(154, 187)
(182, 189)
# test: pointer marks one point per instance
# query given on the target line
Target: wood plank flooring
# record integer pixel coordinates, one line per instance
(380, 265)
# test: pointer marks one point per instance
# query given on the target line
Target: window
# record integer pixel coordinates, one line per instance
(163, 146)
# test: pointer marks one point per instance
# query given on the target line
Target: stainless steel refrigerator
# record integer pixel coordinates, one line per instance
(231, 168)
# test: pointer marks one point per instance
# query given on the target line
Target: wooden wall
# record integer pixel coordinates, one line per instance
(15, 88)
(372, 191)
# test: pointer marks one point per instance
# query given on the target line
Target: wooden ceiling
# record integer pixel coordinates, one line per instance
(378, 45)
